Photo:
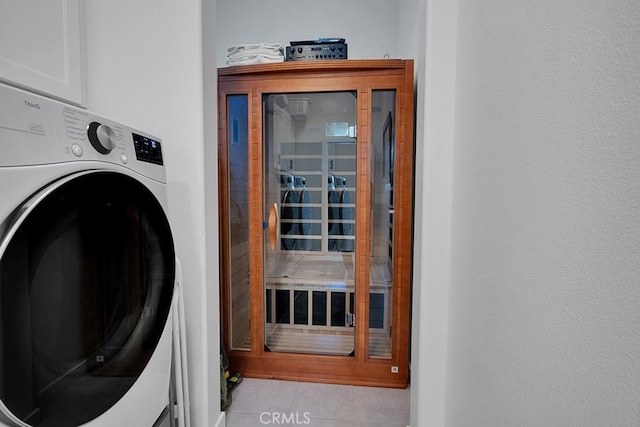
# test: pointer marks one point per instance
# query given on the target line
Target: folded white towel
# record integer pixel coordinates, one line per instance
(245, 53)
(268, 48)
(254, 59)
(257, 53)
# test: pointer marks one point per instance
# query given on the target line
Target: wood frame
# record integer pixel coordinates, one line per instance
(362, 76)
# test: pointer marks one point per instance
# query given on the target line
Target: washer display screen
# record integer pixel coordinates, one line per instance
(147, 149)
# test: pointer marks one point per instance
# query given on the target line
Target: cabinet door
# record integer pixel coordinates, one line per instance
(40, 47)
(309, 185)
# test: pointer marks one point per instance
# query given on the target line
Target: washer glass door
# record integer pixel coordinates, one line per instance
(87, 270)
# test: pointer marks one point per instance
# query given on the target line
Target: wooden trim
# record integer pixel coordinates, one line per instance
(325, 67)
(310, 368)
(223, 218)
(363, 225)
(256, 249)
(406, 229)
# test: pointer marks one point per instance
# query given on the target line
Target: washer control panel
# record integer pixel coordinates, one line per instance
(35, 130)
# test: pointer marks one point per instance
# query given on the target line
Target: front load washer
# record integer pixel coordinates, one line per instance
(87, 268)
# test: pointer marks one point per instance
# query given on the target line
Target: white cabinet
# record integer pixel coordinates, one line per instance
(40, 47)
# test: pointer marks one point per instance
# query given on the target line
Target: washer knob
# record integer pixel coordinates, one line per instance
(101, 137)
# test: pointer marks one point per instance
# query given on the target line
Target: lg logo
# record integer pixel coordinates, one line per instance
(282, 418)
(32, 105)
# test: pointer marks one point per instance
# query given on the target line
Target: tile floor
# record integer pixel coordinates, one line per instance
(273, 402)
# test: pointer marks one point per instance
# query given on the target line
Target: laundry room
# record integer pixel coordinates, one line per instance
(154, 65)
(524, 264)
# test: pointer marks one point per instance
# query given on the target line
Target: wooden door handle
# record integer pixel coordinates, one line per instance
(274, 226)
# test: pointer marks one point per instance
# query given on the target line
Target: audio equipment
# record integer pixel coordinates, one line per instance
(319, 49)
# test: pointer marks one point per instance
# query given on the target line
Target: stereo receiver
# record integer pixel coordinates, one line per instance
(312, 50)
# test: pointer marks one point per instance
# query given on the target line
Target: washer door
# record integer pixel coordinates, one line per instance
(87, 270)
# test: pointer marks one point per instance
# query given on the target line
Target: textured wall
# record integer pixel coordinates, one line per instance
(436, 69)
(369, 26)
(545, 292)
(144, 64)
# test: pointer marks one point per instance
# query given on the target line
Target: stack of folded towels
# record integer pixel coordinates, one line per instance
(261, 53)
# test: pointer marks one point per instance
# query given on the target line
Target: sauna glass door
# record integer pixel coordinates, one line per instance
(309, 190)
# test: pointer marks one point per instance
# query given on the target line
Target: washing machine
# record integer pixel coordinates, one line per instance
(87, 268)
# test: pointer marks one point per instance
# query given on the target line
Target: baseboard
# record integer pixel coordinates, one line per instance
(221, 420)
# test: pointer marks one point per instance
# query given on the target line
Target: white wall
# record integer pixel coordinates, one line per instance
(545, 256)
(145, 68)
(409, 16)
(369, 26)
(435, 91)
(210, 197)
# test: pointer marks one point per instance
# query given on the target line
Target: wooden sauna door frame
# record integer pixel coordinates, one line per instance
(362, 77)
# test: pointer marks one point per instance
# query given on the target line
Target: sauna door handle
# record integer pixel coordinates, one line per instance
(274, 226)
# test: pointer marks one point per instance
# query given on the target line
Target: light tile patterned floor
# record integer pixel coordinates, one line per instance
(275, 403)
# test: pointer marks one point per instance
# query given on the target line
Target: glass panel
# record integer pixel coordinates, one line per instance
(85, 290)
(338, 309)
(238, 143)
(301, 307)
(382, 163)
(282, 306)
(309, 195)
(319, 308)
(269, 310)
